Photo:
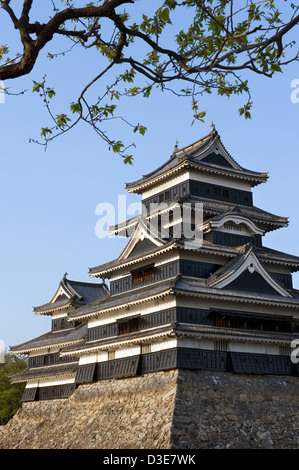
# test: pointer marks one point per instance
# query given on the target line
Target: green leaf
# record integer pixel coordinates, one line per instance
(50, 92)
(62, 120)
(37, 86)
(141, 129)
(163, 14)
(117, 146)
(128, 160)
(276, 68)
(75, 107)
(45, 131)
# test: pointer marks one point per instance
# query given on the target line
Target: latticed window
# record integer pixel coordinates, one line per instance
(111, 355)
(221, 345)
(253, 323)
(145, 348)
(129, 326)
(232, 226)
(284, 350)
(143, 275)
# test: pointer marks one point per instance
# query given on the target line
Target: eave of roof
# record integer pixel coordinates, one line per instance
(197, 288)
(263, 253)
(217, 332)
(51, 339)
(214, 208)
(54, 371)
(49, 308)
(240, 263)
(257, 215)
(76, 293)
(182, 158)
(245, 175)
(136, 296)
(178, 329)
(278, 257)
(105, 269)
(119, 341)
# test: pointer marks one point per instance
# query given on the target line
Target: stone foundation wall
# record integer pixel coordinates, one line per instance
(114, 414)
(223, 410)
(164, 410)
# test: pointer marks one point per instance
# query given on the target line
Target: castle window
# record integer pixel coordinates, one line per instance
(143, 275)
(235, 321)
(111, 355)
(231, 226)
(145, 348)
(221, 346)
(285, 351)
(127, 326)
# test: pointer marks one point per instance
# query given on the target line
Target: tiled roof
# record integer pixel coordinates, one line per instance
(263, 253)
(146, 252)
(179, 329)
(47, 371)
(229, 269)
(52, 338)
(277, 257)
(212, 331)
(232, 265)
(194, 286)
(219, 208)
(193, 154)
(121, 340)
(138, 295)
(75, 293)
(216, 210)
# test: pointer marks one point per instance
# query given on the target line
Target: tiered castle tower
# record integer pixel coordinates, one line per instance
(194, 287)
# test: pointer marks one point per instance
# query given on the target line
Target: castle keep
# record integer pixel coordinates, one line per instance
(210, 298)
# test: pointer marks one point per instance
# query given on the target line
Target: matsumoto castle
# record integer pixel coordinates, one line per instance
(220, 301)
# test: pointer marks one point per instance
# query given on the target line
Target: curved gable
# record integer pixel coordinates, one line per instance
(247, 274)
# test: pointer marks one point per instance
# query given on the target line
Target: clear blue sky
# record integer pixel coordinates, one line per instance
(48, 199)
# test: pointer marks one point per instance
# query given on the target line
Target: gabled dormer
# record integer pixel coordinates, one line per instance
(246, 273)
(144, 238)
(69, 296)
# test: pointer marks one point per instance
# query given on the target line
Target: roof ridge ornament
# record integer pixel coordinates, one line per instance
(214, 131)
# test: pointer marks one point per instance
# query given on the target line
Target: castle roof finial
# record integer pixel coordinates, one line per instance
(176, 146)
